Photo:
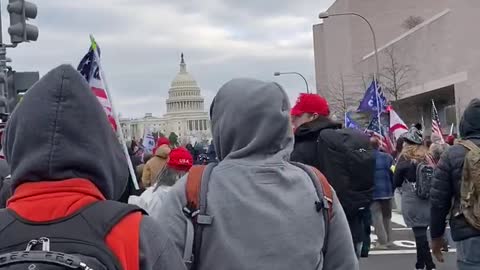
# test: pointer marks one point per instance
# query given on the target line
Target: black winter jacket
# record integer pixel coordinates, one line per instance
(306, 137)
(447, 181)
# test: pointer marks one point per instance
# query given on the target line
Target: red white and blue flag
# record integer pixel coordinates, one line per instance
(90, 69)
(436, 126)
(375, 130)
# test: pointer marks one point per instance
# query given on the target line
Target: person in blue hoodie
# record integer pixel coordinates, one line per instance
(381, 207)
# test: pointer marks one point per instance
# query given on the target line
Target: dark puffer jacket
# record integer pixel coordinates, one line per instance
(306, 142)
(447, 180)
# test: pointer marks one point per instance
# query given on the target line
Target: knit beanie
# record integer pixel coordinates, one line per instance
(180, 159)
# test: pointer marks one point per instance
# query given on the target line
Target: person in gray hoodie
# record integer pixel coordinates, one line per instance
(64, 158)
(262, 205)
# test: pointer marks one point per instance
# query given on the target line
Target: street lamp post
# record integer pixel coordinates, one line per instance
(296, 73)
(326, 15)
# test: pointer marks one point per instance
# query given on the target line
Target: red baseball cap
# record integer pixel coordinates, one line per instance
(180, 159)
(310, 103)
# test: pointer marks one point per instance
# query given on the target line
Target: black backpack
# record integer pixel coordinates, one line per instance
(348, 162)
(424, 176)
(73, 242)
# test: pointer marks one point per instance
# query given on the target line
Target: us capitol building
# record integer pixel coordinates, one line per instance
(185, 115)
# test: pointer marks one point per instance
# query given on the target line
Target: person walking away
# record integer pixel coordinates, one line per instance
(415, 210)
(260, 210)
(67, 168)
(156, 164)
(345, 156)
(179, 162)
(212, 156)
(382, 196)
(455, 191)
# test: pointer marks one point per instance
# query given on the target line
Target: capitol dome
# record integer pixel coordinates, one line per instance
(184, 94)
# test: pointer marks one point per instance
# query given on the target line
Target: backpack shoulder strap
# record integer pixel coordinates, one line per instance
(327, 191)
(469, 145)
(324, 193)
(5, 219)
(192, 188)
(104, 215)
(196, 189)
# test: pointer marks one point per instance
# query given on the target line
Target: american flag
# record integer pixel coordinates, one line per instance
(90, 69)
(376, 131)
(436, 127)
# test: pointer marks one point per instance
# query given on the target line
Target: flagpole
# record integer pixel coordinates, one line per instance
(378, 103)
(451, 130)
(115, 116)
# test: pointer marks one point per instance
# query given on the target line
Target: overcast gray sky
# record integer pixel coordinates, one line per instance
(141, 42)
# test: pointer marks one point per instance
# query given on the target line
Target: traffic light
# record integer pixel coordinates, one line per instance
(17, 84)
(19, 30)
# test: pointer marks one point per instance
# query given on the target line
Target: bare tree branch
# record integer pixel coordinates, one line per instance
(412, 21)
(395, 75)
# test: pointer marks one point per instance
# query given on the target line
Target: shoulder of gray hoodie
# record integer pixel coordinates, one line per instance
(263, 243)
(156, 249)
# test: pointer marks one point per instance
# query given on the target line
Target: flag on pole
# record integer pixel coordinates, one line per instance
(369, 101)
(89, 68)
(397, 126)
(436, 126)
(349, 122)
(375, 130)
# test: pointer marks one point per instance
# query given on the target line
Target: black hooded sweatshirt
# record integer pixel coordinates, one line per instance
(59, 131)
(447, 180)
(306, 137)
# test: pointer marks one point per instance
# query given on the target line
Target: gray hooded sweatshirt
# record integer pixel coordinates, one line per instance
(59, 131)
(263, 208)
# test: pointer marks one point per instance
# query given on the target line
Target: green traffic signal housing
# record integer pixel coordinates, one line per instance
(20, 11)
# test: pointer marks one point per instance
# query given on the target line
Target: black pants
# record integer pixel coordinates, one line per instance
(424, 257)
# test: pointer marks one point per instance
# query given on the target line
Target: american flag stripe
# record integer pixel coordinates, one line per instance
(436, 126)
(89, 68)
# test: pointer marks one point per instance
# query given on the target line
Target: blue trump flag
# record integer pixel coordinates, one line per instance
(349, 122)
(369, 101)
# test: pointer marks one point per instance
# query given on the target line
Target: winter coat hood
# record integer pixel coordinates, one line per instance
(163, 151)
(60, 131)
(470, 122)
(314, 127)
(263, 129)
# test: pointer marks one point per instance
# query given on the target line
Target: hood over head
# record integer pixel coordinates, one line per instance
(470, 122)
(314, 127)
(163, 151)
(251, 119)
(60, 131)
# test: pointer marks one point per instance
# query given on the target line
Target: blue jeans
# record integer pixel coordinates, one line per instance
(468, 254)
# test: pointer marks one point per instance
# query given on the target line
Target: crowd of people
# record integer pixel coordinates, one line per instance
(278, 188)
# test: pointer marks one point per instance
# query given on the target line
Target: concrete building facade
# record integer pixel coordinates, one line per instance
(440, 54)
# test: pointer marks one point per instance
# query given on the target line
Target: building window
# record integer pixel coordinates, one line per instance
(196, 124)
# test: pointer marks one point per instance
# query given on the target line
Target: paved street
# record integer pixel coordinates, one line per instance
(398, 261)
(403, 255)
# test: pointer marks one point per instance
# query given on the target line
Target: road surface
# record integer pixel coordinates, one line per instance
(403, 255)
